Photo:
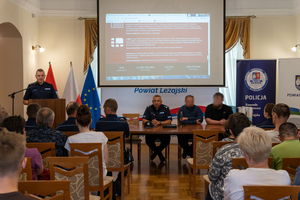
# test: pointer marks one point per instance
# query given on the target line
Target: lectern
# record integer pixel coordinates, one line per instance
(57, 105)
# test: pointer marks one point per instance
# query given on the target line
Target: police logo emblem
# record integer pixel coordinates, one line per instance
(256, 79)
(297, 82)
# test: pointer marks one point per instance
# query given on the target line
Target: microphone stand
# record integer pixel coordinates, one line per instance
(12, 96)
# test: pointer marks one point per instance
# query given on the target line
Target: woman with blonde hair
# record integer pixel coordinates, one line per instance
(256, 146)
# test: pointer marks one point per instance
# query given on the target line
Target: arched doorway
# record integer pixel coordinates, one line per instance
(11, 67)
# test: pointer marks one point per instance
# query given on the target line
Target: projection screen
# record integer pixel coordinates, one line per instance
(161, 43)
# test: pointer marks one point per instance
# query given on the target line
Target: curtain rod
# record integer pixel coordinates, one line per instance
(81, 18)
(250, 16)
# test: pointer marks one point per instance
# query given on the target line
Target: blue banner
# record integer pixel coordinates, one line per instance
(255, 87)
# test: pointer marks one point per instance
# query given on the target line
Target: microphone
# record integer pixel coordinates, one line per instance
(181, 116)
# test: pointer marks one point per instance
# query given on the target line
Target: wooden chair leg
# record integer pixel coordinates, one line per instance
(128, 180)
(122, 186)
(139, 150)
(190, 177)
(111, 191)
(205, 188)
(194, 183)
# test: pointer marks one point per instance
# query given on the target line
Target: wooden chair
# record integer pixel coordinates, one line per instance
(115, 147)
(71, 133)
(202, 151)
(78, 174)
(216, 145)
(46, 150)
(271, 192)
(95, 165)
(26, 173)
(45, 188)
(290, 165)
(133, 119)
(240, 163)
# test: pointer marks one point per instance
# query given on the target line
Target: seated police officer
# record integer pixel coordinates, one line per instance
(158, 114)
(39, 89)
(188, 114)
(217, 113)
(70, 123)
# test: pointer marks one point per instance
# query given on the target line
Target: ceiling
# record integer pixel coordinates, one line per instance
(88, 8)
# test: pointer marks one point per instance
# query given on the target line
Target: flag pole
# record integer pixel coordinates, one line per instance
(49, 64)
(71, 64)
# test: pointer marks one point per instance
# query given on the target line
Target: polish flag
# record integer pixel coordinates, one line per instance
(50, 78)
(71, 92)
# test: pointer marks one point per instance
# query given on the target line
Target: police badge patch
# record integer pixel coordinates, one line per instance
(297, 82)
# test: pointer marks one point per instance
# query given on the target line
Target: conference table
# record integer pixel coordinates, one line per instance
(184, 130)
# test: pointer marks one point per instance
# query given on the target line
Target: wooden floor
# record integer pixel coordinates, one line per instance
(157, 181)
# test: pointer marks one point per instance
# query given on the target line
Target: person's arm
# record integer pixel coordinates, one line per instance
(166, 122)
(146, 116)
(106, 158)
(25, 102)
(168, 118)
(126, 132)
(26, 96)
(216, 166)
(209, 116)
(214, 122)
(39, 163)
(53, 93)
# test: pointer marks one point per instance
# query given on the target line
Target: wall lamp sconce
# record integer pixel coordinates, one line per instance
(36, 47)
(297, 46)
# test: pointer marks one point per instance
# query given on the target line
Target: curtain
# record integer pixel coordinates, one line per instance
(91, 42)
(237, 29)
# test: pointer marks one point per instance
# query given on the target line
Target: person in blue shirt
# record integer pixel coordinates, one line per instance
(188, 114)
(158, 114)
(39, 89)
(268, 123)
(31, 112)
(70, 123)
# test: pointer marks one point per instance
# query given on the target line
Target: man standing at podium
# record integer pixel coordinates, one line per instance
(39, 89)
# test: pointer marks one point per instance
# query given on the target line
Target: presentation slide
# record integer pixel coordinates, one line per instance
(161, 43)
(157, 46)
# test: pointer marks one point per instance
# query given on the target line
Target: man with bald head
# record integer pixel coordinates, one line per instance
(70, 123)
(45, 133)
(39, 89)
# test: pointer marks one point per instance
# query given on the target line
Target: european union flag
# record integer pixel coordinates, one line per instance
(89, 97)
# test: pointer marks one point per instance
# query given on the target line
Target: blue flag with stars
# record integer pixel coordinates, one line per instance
(89, 97)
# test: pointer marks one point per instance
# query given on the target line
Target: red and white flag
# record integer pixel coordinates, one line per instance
(50, 78)
(71, 92)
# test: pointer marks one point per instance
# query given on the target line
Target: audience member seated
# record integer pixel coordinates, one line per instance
(45, 133)
(222, 162)
(158, 114)
(12, 159)
(111, 122)
(217, 112)
(3, 115)
(280, 114)
(290, 146)
(188, 114)
(83, 121)
(17, 124)
(32, 110)
(256, 146)
(70, 124)
(268, 123)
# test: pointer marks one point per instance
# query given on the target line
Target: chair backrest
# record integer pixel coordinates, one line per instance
(77, 173)
(46, 150)
(95, 164)
(290, 164)
(203, 148)
(115, 147)
(271, 192)
(70, 133)
(218, 144)
(241, 163)
(26, 173)
(132, 118)
(45, 188)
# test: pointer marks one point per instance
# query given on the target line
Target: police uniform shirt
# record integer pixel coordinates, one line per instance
(162, 114)
(218, 114)
(37, 91)
(113, 123)
(68, 125)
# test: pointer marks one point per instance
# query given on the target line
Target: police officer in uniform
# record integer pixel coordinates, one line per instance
(39, 89)
(158, 114)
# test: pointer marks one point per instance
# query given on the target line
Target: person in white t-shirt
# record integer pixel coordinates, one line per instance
(280, 114)
(256, 145)
(83, 121)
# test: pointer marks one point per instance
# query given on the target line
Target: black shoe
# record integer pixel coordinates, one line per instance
(152, 157)
(183, 155)
(161, 158)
